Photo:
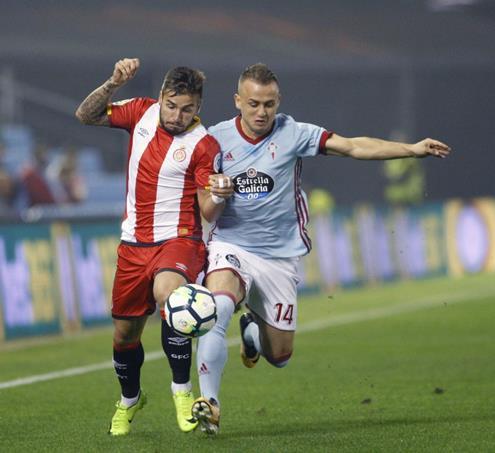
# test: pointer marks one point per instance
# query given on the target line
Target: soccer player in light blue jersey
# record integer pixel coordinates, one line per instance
(256, 243)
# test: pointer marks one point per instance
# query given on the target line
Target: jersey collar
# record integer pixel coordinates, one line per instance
(253, 141)
(195, 122)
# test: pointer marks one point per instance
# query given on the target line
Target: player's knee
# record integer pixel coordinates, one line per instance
(125, 342)
(165, 282)
(281, 364)
(279, 361)
(225, 281)
(161, 296)
(127, 333)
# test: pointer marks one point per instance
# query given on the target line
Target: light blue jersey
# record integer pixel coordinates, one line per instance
(267, 215)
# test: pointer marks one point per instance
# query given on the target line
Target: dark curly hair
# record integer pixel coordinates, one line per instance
(184, 80)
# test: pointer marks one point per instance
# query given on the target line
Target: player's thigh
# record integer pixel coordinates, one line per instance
(165, 282)
(131, 294)
(277, 344)
(129, 330)
(178, 261)
(228, 269)
(226, 281)
(274, 295)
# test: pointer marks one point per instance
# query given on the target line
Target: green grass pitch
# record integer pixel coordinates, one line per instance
(407, 367)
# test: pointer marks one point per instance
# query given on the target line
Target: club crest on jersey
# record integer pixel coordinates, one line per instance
(272, 147)
(180, 154)
(232, 259)
(253, 184)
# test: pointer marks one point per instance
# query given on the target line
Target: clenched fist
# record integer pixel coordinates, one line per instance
(124, 71)
(220, 187)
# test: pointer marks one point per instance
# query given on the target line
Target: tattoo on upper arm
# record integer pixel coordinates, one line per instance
(93, 110)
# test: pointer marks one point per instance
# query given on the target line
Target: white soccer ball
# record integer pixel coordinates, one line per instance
(191, 311)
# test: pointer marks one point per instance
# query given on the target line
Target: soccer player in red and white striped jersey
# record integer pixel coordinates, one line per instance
(172, 179)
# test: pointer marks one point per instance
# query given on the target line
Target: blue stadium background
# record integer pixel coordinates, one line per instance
(385, 68)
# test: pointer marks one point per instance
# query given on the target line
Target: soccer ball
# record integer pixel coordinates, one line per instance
(191, 311)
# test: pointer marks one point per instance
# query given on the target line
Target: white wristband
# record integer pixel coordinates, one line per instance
(217, 200)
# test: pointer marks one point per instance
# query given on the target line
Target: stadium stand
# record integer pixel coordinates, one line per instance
(19, 143)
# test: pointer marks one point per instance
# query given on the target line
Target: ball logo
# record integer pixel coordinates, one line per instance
(253, 184)
(180, 154)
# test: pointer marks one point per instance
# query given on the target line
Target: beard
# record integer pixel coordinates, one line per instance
(173, 129)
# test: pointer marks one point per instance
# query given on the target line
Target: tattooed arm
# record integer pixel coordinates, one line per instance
(93, 110)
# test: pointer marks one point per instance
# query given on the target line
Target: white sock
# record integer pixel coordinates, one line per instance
(212, 349)
(252, 336)
(187, 387)
(128, 402)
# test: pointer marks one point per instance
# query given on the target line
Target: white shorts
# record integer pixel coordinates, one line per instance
(270, 283)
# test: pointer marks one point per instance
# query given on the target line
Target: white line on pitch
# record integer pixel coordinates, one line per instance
(336, 320)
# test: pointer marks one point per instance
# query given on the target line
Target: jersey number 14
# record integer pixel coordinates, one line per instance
(288, 313)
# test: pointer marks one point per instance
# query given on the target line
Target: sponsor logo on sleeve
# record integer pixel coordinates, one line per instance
(122, 102)
(217, 163)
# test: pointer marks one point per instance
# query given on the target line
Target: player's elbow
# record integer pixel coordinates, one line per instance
(209, 218)
(83, 119)
(89, 118)
(356, 150)
(358, 154)
(365, 148)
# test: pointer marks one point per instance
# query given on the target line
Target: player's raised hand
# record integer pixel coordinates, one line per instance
(124, 70)
(428, 146)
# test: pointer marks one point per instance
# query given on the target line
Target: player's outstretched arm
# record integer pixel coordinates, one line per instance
(212, 198)
(93, 110)
(376, 149)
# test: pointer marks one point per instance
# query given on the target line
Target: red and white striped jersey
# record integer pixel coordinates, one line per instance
(164, 172)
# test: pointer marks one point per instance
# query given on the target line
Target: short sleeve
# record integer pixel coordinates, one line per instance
(208, 160)
(311, 139)
(126, 113)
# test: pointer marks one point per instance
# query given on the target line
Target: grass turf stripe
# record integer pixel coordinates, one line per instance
(336, 320)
